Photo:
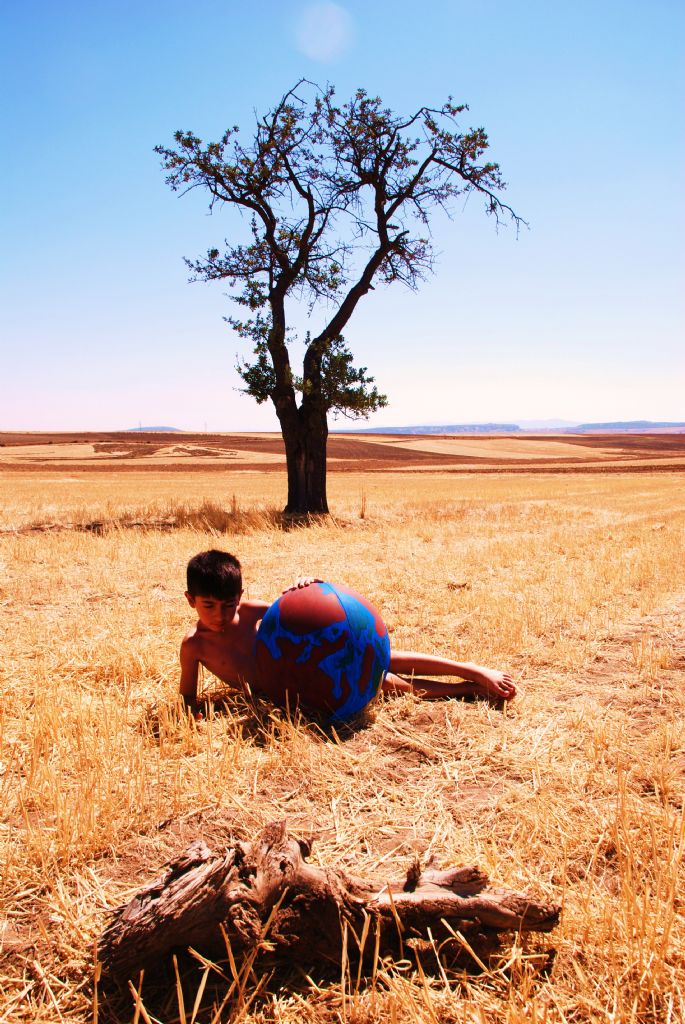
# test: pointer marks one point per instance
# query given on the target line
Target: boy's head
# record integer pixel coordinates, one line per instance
(214, 588)
(215, 574)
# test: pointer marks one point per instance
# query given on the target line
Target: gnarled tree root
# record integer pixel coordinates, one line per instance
(266, 890)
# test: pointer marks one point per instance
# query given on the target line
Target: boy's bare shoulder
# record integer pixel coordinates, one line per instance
(253, 609)
(191, 641)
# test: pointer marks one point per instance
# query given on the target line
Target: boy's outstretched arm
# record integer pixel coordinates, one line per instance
(478, 681)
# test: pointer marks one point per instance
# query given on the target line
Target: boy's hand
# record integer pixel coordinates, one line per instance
(196, 708)
(302, 581)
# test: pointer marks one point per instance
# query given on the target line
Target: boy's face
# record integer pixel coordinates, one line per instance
(213, 612)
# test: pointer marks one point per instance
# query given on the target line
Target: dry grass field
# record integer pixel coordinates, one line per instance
(575, 581)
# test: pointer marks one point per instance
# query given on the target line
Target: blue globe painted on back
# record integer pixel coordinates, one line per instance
(323, 648)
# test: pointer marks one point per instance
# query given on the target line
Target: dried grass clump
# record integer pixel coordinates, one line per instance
(574, 791)
(206, 517)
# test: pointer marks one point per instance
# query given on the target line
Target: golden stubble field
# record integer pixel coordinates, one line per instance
(574, 792)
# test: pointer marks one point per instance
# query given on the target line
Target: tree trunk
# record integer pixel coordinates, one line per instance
(305, 435)
(264, 893)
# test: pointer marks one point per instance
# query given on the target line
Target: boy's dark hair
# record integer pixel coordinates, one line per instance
(214, 574)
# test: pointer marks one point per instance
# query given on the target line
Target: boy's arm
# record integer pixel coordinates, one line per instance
(190, 667)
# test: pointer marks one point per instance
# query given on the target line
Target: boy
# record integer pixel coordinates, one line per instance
(223, 640)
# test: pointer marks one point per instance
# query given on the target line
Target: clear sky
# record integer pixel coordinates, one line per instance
(580, 318)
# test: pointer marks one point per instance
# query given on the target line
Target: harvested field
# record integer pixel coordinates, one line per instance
(503, 448)
(347, 452)
(574, 792)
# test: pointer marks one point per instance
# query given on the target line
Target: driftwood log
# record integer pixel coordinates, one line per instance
(265, 892)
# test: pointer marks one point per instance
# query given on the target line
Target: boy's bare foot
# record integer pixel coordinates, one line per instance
(493, 684)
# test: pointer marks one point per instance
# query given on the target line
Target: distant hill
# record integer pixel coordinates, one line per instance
(525, 426)
(547, 424)
(443, 428)
(624, 426)
(528, 426)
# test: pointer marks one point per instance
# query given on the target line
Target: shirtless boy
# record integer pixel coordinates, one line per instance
(223, 641)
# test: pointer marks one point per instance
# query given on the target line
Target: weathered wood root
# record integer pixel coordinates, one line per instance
(265, 890)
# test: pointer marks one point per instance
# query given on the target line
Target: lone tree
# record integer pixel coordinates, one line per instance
(338, 198)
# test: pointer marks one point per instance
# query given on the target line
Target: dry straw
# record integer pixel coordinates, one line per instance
(575, 790)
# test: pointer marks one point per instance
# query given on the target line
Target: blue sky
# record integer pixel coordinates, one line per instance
(579, 318)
